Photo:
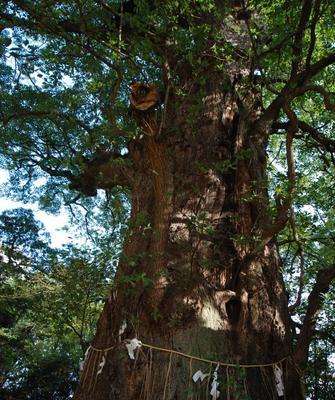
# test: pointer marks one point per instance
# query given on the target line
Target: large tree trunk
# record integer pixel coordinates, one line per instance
(196, 275)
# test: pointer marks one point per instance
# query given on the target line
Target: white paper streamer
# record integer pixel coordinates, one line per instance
(132, 346)
(278, 372)
(215, 393)
(101, 365)
(199, 375)
(123, 327)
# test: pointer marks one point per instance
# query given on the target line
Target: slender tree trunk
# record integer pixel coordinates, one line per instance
(195, 276)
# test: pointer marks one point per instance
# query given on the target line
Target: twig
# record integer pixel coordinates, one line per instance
(283, 208)
(313, 35)
(301, 254)
(297, 45)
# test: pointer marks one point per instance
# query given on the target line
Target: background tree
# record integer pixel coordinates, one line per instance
(49, 302)
(200, 271)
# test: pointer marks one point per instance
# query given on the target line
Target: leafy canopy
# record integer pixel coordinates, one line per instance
(64, 75)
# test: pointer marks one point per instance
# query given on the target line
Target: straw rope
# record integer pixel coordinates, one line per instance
(94, 355)
(205, 360)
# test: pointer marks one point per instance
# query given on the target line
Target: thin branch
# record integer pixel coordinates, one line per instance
(110, 111)
(45, 114)
(322, 334)
(298, 42)
(58, 28)
(121, 25)
(291, 90)
(111, 115)
(304, 76)
(327, 96)
(13, 21)
(313, 238)
(106, 6)
(315, 18)
(72, 201)
(326, 143)
(83, 317)
(277, 46)
(285, 205)
(301, 254)
(167, 72)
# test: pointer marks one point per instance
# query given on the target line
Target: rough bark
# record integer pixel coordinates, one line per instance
(195, 275)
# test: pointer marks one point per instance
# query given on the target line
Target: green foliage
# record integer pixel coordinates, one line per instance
(314, 225)
(21, 234)
(320, 372)
(49, 302)
(201, 225)
(134, 279)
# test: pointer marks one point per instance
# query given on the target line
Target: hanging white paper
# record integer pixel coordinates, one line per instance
(215, 393)
(132, 346)
(101, 365)
(199, 375)
(279, 380)
(123, 327)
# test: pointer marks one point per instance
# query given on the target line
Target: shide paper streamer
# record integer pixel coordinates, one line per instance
(132, 346)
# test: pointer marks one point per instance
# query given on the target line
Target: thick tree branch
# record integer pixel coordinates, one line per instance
(321, 286)
(99, 173)
(105, 171)
(56, 172)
